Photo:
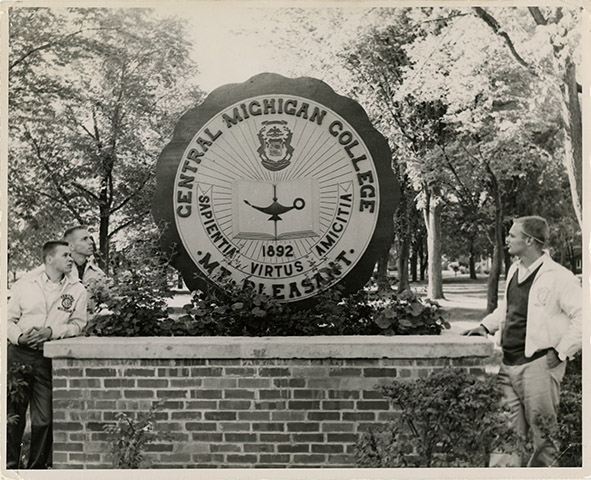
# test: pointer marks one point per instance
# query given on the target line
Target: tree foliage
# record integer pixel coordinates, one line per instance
(93, 97)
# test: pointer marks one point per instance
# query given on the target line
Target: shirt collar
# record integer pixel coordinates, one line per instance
(524, 271)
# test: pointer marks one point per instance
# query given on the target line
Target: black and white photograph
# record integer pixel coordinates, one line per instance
(284, 240)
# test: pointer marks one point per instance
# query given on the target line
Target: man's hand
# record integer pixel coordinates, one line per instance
(479, 330)
(552, 358)
(39, 336)
(25, 338)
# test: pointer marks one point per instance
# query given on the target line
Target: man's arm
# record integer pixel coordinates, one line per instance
(14, 314)
(490, 323)
(77, 320)
(571, 303)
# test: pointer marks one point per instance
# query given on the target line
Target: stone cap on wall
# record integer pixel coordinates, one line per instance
(403, 346)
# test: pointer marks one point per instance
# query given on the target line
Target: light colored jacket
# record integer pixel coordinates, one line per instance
(27, 308)
(554, 311)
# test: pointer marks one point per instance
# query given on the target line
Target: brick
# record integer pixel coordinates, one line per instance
(198, 405)
(338, 427)
(234, 405)
(206, 393)
(433, 362)
(343, 394)
(185, 415)
(139, 372)
(78, 437)
(476, 371)
(424, 372)
(81, 415)
(304, 405)
(68, 372)
(187, 383)
(309, 459)
(254, 383)
(466, 361)
(258, 448)
(68, 394)
(176, 458)
(264, 405)
(240, 437)
(234, 427)
(119, 382)
(296, 448)
(344, 372)
(332, 383)
(405, 372)
(274, 437)
(84, 457)
(254, 416)
(373, 405)
(331, 448)
(139, 393)
(101, 405)
(275, 458)
(60, 436)
(299, 415)
(379, 372)
(324, 416)
(307, 393)
(268, 427)
(308, 437)
(289, 382)
(61, 415)
(159, 447)
(207, 437)
(310, 372)
(67, 426)
(85, 383)
(337, 405)
(343, 460)
(273, 394)
(359, 416)
(303, 427)
(274, 372)
(341, 438)
(95, 426)
(225, 448)
(151, 383)
(201, 426)
(206, 458)
(219, 382)
(59, 457)
(104, 394)
(100, 372)
(171, 426)
(225, 362)
(240, 371)
(238, 394)
(206, 371)
(372, 395)
(219, 415)
(68, 447)
(172, 393)
(59, 383)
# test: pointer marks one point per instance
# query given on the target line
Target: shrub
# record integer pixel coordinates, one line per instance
(240, 311)
(449, 419)
(19, 377)
(130, 436)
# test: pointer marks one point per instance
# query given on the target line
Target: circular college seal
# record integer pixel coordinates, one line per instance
(277, 183)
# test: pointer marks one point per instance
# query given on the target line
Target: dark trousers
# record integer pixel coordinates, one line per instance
(38, 395)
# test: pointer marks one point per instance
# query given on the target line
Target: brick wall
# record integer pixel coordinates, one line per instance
(253, 403)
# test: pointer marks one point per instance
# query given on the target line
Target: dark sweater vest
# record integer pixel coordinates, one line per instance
(513, 337)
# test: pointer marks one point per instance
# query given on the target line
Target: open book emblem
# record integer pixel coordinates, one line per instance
(252, 219)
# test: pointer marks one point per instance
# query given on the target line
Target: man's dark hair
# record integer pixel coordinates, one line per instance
(50, 247)
(71, 230)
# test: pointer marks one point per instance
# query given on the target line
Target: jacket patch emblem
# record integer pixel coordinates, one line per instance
(543, 295)
(67, 302)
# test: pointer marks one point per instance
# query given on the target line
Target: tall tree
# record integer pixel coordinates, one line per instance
(93, 97)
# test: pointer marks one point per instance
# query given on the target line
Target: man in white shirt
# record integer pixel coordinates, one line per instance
(538, 326)
(46, 304)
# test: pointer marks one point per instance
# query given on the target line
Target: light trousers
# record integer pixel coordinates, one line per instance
(530, 390)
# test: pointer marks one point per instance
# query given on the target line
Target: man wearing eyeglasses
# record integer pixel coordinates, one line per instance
(538, 326)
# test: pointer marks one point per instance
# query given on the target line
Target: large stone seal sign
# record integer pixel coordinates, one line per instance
(276, 183)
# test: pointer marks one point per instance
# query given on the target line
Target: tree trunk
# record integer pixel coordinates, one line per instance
(573, 158)
(403, 253)
(492, 295)
(423, 259)
(433, 224)
(413, 264)
(382, 274)
(472, 260)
